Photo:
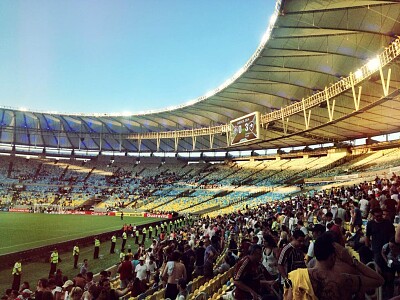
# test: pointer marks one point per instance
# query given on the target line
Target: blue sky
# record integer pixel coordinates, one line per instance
(116, 56)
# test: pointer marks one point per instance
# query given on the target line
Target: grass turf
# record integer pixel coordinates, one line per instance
(25, 231)
(22, 231)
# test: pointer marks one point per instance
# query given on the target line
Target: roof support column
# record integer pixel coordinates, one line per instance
(306, 118)
(356, 98)
(194, 139)
(176, 138)
(285, 123)
(139, 143)
(385, 85)
(328, 105)
(211, 140)
(158, 141)
(228, 137)
(101, 137)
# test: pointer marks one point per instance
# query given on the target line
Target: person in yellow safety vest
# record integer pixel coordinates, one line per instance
(162, 226)
(122, 256)
(16, 273)
(143, 234)
(137, 237)
(124, 238)
(75, 254)
(53, 262)
(96, 248)
(113, 242)
(150, 231)
(156, 232)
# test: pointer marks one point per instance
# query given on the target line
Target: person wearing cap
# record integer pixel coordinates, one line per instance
(142, 271)
(96, 248)
(113, 242)
(16, 273)
(53, 262)
(25, 294)
(75, 254)
(317, 230)
(67, 288)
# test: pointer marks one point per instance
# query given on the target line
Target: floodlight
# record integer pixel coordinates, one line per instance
(358, 74)
(373, 64)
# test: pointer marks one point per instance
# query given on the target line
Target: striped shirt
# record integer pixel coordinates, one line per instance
(291, 258)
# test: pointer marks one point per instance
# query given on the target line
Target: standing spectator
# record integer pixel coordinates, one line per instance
(317, 230)
(291, 256)
(125, 272)
(199, 264)
(173, 271)
(84, 267)
(379, 232)
(391, 256)
(324, 281)
(248, 276)
(96, 248)
(75, 254)
(141, 270)
(364, 203)
(188, 259)
(356, 218)
(270, 255)
(183, 293)
(210, 255)
(16, 273)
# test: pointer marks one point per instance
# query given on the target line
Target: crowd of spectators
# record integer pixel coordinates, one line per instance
(270, 246)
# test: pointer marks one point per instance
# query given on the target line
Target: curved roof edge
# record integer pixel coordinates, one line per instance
(225, 84)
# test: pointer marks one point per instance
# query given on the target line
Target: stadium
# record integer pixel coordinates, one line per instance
(309, 121)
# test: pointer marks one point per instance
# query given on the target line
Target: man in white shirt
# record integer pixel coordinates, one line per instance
(364, 207)
(141, 270)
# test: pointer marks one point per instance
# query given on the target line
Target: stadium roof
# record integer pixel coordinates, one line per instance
(319, 51)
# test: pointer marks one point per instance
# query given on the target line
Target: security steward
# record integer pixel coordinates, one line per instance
(75, 254)
(124, 238)
(16, 273)
(137, 237)
(150, 231)
(113, 242)
(143, 234)
(53, 262)
(96, 248)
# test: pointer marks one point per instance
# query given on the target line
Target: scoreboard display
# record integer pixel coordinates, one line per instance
(245, 129)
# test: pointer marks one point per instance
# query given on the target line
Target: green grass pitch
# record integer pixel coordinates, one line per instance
(22, 231)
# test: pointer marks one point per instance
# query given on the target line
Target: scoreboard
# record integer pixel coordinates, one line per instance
(245, 129)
